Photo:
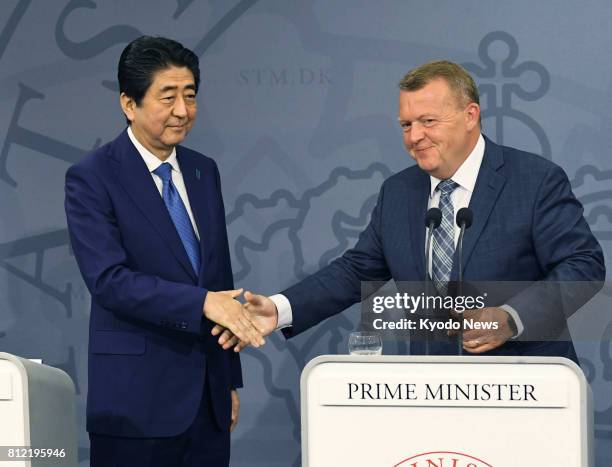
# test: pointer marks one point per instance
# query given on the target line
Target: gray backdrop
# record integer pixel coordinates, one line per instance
(298, 107)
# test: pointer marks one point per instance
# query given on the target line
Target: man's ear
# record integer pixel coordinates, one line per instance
(128, 105)
(473, 115)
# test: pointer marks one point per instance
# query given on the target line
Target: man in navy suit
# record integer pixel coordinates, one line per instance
(147, 226)
(527, 226)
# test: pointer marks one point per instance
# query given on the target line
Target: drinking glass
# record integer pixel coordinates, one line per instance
(365, 343)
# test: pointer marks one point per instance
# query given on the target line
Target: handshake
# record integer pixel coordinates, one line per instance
(237, 324)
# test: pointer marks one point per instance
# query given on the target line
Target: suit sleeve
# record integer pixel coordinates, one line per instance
(235, 366)
(339, 285)
(569, 255)
(96, 242)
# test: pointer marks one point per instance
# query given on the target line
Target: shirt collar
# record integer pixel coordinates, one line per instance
(467, 173)
(151, 159)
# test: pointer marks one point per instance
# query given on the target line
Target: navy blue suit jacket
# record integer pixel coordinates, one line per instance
(528, 226)
(150, 348)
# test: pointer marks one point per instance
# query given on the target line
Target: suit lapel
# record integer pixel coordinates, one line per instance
(489, 185)
(136, 179)
(419, 191)
(196, 184)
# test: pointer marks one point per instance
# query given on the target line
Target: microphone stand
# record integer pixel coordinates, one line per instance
(460, 284)
(464, 221)
(428, 281)
(433, 218)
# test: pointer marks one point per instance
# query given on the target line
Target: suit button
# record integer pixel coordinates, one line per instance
(183, 325)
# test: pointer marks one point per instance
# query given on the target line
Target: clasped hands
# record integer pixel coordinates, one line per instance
(239, 325)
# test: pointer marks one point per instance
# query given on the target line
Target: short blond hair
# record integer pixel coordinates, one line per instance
(459, 81)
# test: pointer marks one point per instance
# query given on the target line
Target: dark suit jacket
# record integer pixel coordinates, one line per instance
(528, 226)
(150, 348)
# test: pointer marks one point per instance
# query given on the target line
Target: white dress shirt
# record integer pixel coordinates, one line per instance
(152, 162)
(465, 177)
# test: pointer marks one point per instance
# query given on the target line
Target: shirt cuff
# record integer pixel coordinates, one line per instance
(285, 315)
(517, 321)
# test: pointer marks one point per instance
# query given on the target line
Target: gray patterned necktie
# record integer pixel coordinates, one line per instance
(443, 245)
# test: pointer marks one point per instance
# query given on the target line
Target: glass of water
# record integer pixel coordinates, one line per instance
(365, 343)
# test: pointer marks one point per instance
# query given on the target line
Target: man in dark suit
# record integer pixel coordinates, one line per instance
(147, 226)
(527, 226)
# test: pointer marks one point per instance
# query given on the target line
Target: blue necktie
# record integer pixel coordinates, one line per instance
(179, 215)
(443, 248)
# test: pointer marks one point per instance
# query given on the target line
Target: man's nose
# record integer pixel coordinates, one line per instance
(416, 133)
(180, 107)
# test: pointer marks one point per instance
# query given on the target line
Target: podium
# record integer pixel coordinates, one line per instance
(37, 415)
(445, 411)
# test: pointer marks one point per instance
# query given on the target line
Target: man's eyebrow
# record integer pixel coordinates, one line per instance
(174, 88)
(420, 117)
(168, 88)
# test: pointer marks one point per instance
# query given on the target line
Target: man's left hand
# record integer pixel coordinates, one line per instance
(235, 409)
(482, 340)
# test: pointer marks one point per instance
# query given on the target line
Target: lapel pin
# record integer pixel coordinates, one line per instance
(197, 173)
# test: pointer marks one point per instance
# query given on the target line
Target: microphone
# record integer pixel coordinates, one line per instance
(464, 219)
(433, 219)
(465, 216)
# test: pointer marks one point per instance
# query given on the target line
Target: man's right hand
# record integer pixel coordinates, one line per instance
(262, 312)
(223, 309)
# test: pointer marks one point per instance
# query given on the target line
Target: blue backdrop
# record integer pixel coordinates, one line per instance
(299, 109)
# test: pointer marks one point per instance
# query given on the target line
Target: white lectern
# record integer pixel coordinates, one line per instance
(435, 411)
(37, 415)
